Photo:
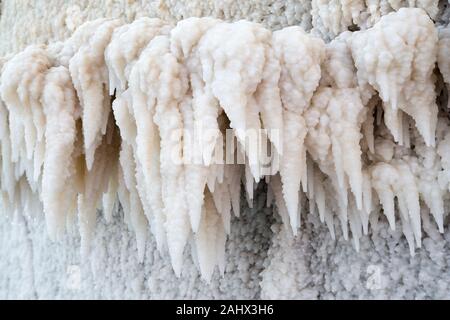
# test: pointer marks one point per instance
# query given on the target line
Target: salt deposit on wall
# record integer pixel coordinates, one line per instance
(28, 22)
(139, 115)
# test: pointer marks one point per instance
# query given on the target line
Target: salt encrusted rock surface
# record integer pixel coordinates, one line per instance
(33, 266)
(28, 21)
(312, 265)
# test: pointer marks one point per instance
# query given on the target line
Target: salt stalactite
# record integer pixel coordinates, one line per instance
(335, 16)
(397, 57)
(90, 78)
(210, 240)
(395, 180)
(61, 111)
(131, 185)
(427, 168)
(23, 79)
(300, 57)
(168, 73)
(199, 114)
(235, 69)
(331, 17)
(334, 120)
(121, 54)
(147, 114)
(83, 54)
(144, 131)
(334, 123)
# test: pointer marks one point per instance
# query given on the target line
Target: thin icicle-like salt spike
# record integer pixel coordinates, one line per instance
(234, 187)
(209, 240)
(222, 202)
(109, 198)
(95, 184)
(367, 201)
(408, 191)
(134, 184)
(383, 177)
(355, 225)
(427, 174)
(249, 185)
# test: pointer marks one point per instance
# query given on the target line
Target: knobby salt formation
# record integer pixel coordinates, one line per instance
(143, 115)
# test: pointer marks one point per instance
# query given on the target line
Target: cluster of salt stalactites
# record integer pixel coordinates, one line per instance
(140, 114)
(331, 17)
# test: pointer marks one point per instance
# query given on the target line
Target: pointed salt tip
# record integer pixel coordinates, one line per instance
(333, 235)
(345, 236)
(194, 219)
(392, 225)
(430, 142)
(206, 159)
(195, 225)
(176, 269)
(391, 220)
(227, 227)
(356, 243)
(365, 226)
(294, 230)
(304, 185)
(418, 243)
(89, 160)
(344, 228)
(358, 199)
